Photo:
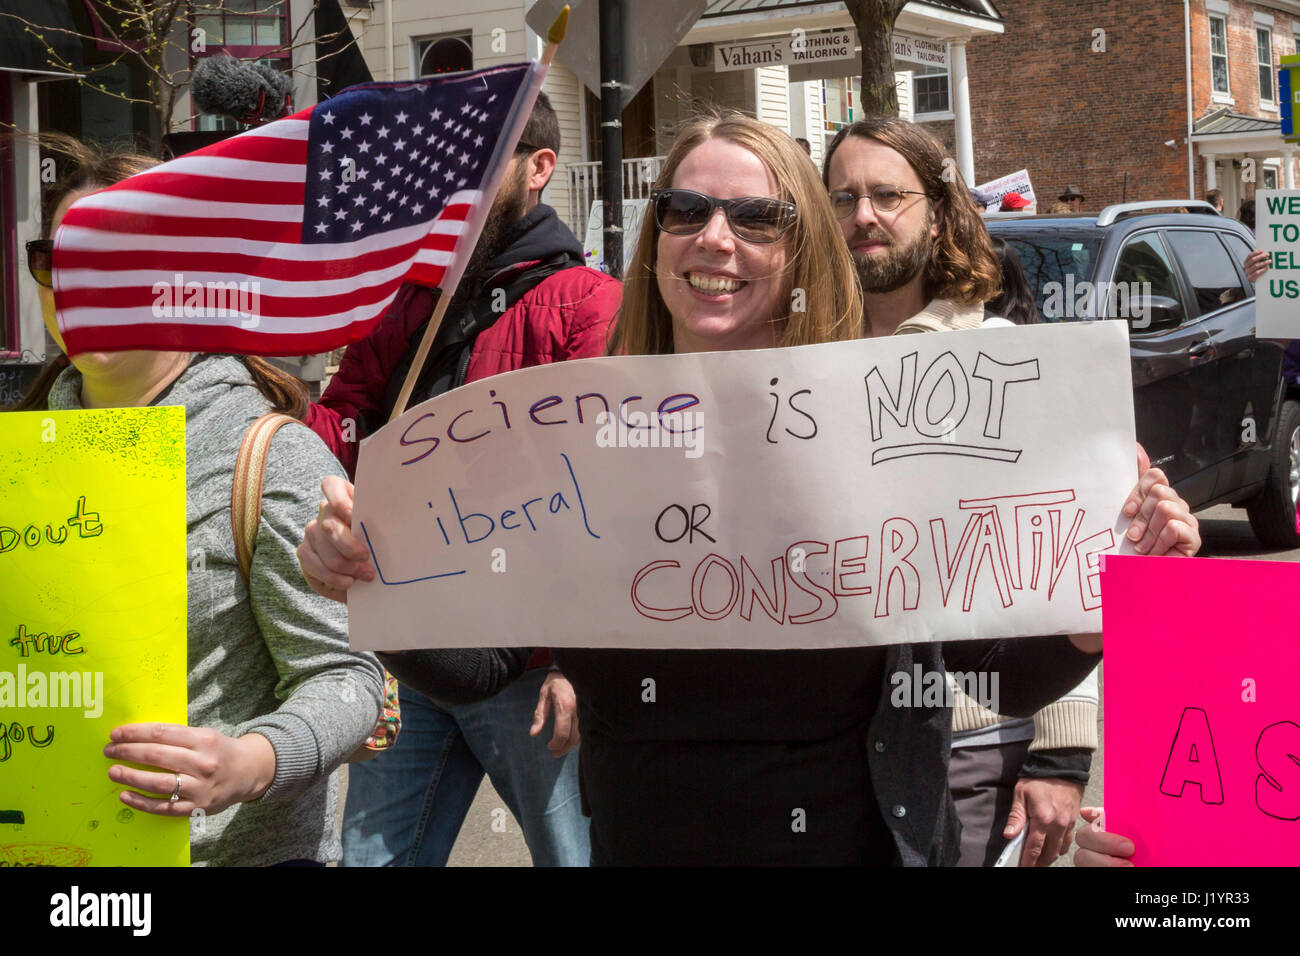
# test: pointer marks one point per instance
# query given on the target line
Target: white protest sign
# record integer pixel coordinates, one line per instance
(1277, 292)
(1017, 182)
(940, 486)
(593, 247)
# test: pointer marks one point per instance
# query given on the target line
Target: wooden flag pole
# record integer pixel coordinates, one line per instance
(554, 36)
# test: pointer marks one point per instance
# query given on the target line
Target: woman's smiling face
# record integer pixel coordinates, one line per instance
(723, 293)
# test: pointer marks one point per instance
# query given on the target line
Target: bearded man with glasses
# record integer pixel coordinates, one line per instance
(926, 264)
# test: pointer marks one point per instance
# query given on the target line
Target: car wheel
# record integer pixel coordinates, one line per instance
(1272, 511)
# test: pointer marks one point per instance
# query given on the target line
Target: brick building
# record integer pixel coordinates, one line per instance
(1095, 93)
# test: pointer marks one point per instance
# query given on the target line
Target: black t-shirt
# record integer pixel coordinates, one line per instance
(729, 757)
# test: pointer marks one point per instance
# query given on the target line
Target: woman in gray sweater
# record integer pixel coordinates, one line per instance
(276, 700)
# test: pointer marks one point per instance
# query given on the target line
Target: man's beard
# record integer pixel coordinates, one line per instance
(897, 265)
(510, 207)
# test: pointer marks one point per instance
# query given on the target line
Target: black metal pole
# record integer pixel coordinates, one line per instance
(612, 82)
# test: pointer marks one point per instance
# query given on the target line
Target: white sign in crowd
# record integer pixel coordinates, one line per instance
(1018, 182)
(916, 488)
(1277, 292)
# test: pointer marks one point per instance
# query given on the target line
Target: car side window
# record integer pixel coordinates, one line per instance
(1240, 250)
(1214, 278)
(1143, 268)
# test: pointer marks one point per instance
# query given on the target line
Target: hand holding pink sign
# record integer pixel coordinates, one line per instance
(1202, 718)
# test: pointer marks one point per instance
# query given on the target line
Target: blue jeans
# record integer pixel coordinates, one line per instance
(406, 807)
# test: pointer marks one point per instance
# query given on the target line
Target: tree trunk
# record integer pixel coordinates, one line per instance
(874, 20)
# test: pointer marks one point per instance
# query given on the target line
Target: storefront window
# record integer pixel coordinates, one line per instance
(1264, 52)
(930, 90)
(243, 27)
(1219, 54)
(841, 102)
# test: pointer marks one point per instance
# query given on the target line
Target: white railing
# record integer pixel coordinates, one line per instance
(584, 184)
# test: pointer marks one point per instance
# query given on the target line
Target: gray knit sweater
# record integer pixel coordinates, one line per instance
(277, 664)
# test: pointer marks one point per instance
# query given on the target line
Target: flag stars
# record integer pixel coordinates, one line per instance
(401, 117)
(402, 201)
(435, 115)
(342, 188)
(381, 159)
(356, 226)
(325, 175)
(382, 132)
(346, 133)
(392, 194)
(449, 123)
(365, 119)
(377, 185)
(328, 119)
(465, 109)
(417, 208)
(374, 210)
(359, 201)
(417, 129)
(399, 145)
(464, 158)
(341, 214)
(387, 216)
(478, 141)
(363, 147)
(327, 147)
(322, 201)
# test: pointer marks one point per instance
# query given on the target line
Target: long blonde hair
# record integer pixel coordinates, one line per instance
(819, 260)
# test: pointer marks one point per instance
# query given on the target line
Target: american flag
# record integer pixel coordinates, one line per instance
(293, 238)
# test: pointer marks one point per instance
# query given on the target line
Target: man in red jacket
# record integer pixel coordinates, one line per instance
(526, 299)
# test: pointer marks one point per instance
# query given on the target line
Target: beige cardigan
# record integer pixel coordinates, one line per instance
(1072, 720)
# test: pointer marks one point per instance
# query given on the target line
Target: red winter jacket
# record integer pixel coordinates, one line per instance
(565, 316)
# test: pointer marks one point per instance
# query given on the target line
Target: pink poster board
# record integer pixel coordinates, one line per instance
(1202, 709)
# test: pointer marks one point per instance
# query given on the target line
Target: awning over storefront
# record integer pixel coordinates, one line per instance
(27, 26)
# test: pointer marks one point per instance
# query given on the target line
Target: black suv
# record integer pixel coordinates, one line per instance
(1209, 398)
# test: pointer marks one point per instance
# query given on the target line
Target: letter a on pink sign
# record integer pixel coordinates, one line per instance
(1202, 724)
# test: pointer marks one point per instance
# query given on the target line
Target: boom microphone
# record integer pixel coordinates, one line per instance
(252, 93)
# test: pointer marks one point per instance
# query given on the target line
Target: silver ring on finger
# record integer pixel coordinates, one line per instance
(176, 791)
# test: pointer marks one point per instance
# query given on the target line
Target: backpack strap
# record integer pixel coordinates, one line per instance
(246, 494)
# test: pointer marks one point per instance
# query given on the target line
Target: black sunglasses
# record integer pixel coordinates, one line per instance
(883, 199)
(40, 261)
(682, 212)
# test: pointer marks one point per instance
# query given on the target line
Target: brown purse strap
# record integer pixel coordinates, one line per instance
(246, 494)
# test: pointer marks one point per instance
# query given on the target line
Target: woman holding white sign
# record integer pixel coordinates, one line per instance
(742, 757)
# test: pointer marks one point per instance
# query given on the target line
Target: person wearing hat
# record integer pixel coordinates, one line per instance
(981, 200)
(1072, 198)
(1014, 202)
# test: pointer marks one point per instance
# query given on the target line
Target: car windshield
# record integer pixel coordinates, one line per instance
(1054, 263)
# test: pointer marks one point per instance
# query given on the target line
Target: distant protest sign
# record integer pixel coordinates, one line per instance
(1202, 717)
(92, 621)
(1277, 292)
(996, 190)
(915, 488)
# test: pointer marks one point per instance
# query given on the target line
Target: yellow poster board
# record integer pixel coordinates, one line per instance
(92, 627)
